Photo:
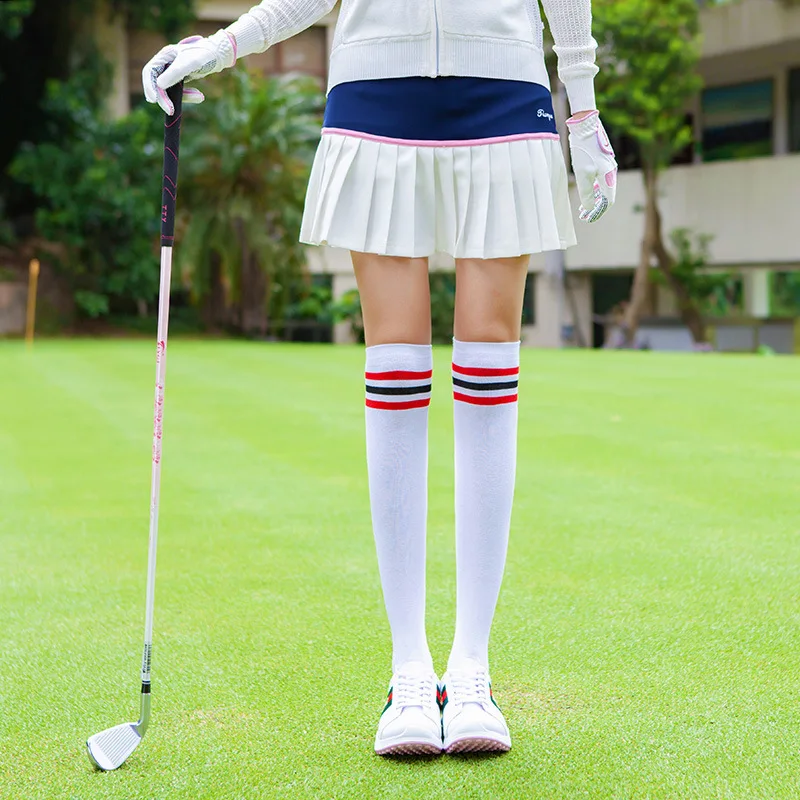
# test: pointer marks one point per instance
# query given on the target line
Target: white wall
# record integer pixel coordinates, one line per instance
(750, 207)
(747, 25)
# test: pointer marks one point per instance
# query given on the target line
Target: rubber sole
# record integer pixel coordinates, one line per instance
(410, 749)
(477, 744)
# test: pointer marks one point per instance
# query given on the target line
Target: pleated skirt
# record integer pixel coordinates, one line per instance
(492, 199)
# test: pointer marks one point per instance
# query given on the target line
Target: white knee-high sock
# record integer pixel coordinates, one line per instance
(485, 380)
(398, 378)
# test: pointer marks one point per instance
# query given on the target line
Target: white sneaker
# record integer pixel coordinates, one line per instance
(471, 720)
(411, 723)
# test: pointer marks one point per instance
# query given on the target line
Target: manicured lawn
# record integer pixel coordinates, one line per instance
(647, 643)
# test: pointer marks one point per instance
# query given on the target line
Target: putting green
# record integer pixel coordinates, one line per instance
(647, 643)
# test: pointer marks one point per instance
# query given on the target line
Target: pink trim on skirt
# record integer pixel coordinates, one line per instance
(371, 137)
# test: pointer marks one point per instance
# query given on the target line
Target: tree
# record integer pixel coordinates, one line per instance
(12, 16)
(96, 184)
(42, 41)
(695, 288)
(248, 151)
(648, 54)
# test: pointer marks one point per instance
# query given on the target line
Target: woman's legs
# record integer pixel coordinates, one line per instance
(396, 306)
(489, 297)
(395, 300)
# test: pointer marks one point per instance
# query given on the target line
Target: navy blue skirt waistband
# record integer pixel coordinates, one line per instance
(441, 109)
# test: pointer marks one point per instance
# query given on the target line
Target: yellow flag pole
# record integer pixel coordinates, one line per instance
(33, 282)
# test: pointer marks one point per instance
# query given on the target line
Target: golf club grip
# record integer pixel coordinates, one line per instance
(172, 146)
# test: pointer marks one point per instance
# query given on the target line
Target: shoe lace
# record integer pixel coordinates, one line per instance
(469, 687)
(413, 690)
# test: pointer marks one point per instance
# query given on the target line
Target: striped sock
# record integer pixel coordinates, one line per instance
(398, 385)
(485, 380)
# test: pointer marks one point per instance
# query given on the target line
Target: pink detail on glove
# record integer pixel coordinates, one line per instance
(571, 121)
(190, 40)
(602, 140)
(165, 96)
(235, 47)
(611, 178)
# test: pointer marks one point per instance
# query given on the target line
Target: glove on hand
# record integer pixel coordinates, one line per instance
(189, 60)
(594, 166)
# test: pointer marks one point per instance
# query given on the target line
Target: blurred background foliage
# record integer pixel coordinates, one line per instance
(82, 188)
(79, 189)
(94, 181)
(246, 159)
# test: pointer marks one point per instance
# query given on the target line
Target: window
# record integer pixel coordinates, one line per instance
(738, 121)
(610, 290)
(794, 110)
(785, 294)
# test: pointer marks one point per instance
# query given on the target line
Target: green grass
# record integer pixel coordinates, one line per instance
(647, 643)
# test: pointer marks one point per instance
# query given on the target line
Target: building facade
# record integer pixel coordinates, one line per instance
(741, 186)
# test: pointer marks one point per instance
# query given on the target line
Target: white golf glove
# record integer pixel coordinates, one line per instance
(189, 60)
(594, 166)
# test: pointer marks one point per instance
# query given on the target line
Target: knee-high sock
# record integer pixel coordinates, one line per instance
(485, 380)
(398, 378)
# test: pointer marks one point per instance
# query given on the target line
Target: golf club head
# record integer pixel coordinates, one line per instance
(110, 749)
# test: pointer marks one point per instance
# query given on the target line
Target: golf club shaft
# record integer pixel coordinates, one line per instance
(172, 132)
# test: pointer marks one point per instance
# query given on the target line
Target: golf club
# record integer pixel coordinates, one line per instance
(109, 749)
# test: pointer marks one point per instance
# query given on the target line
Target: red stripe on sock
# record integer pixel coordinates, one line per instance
(480, 372)
(485, 401)
(399, 375)
(406, 404)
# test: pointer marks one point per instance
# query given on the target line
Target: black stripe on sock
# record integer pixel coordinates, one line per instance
(485, 387)
(395, 390)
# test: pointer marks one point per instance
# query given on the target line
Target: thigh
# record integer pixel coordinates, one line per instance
(489, 297)
(395, 298)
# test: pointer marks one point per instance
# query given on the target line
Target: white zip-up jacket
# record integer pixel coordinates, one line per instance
(401, 38)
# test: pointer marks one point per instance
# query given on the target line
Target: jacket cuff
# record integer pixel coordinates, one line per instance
(580, 91)
(248, 35)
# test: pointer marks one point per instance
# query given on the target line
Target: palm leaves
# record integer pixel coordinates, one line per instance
(245, 164)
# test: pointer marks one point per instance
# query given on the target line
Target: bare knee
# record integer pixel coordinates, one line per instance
(395, 298)
(489, 298)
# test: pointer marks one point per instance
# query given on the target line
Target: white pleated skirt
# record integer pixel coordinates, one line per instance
(489, 200)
